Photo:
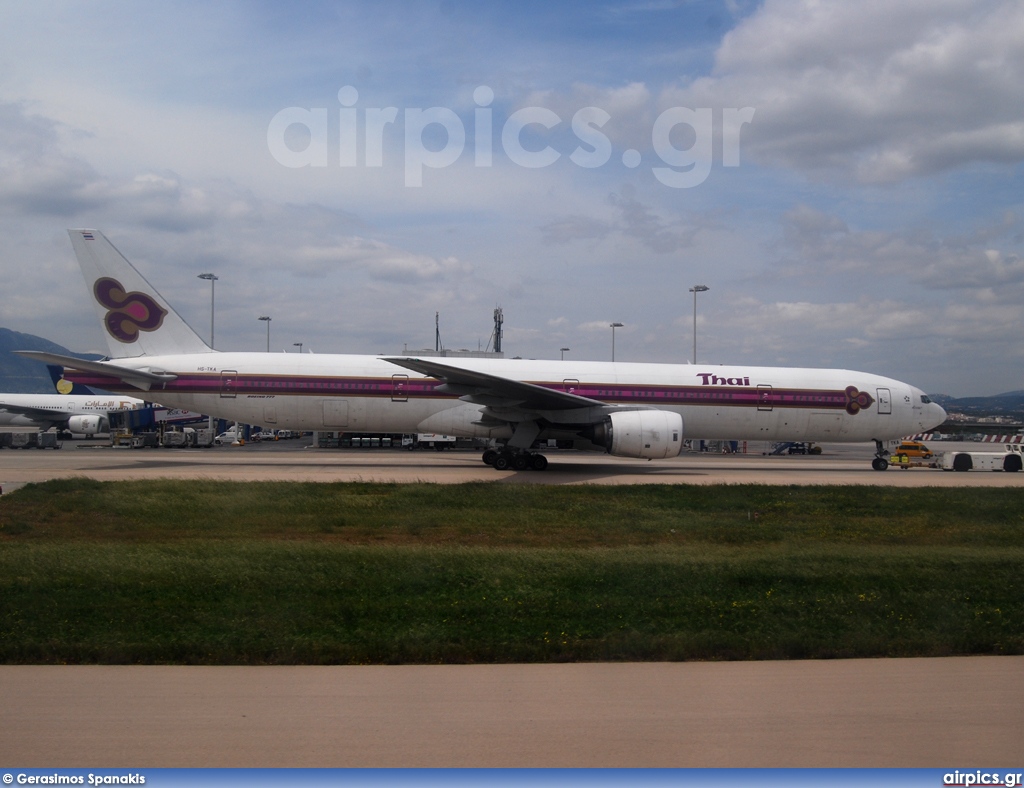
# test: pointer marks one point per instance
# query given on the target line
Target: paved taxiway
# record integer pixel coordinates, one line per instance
(913, 712)
(297, 461)
(954, 712)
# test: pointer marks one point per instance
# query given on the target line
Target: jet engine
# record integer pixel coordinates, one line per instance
(645, 434)
(88, 425)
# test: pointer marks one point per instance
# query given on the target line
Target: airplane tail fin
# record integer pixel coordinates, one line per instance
(137, 321)
(66, 386)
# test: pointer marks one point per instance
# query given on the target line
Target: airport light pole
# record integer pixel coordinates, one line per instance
(211, 278)
(298, 345)
(564, 351)
(696, 289)
(267, 319)
(614, 326)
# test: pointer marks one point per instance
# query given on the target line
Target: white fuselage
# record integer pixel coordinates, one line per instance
(355, 393)
(62, 406)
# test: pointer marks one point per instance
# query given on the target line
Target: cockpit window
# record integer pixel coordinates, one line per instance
(924, 399)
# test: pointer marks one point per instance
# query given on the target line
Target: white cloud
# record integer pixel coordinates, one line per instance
(629, 219)
(630, 107)
(35, 174)
(823, 243)
(878, 90)
(595, 326)
(379, 260)
(922, 336)
(575, 228)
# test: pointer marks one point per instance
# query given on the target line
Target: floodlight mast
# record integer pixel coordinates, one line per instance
(266, 318)
(613, 327)
(696, 289)
(212, 278)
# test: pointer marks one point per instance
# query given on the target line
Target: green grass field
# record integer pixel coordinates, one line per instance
(284, 573)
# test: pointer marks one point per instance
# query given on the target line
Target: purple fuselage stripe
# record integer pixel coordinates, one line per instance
(418, 388)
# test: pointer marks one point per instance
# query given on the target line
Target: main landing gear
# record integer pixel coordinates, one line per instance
(510, 459)
(881, 461)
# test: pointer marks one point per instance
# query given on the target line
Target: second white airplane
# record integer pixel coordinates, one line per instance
(78, 413)
(625, 409)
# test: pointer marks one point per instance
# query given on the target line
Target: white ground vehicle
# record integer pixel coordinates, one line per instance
(434, 440)
(1010, 460)
(229, 437)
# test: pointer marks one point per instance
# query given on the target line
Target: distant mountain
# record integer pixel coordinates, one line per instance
(20, 375)
(1008, 404)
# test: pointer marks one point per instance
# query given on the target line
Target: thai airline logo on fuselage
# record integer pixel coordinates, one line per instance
(129, 313)
(854, 401)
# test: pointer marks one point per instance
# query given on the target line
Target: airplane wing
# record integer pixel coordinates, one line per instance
(36, 414)
(140, 378)
(494, 390)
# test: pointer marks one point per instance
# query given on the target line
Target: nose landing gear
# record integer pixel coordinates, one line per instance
(881, 460)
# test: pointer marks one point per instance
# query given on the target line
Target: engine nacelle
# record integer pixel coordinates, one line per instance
(645, 434)
(88, 425)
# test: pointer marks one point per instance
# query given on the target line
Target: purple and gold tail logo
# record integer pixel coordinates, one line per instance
(857, 400)
(129, 313)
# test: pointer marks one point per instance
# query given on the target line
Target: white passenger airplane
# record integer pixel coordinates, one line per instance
(625, 409)
(78, 413)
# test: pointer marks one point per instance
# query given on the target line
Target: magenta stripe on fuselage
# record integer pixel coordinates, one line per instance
(424, 388)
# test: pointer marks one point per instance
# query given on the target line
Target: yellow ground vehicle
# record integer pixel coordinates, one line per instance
(912, 454)
(911, 449)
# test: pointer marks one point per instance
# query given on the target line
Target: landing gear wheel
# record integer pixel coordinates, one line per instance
(538, 462)
(881, 461)
(520, 462)
(502, 462)
(490, 455)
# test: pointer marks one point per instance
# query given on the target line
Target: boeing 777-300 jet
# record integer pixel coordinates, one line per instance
(626, 409)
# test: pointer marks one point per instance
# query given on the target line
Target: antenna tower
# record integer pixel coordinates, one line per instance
(499, 318)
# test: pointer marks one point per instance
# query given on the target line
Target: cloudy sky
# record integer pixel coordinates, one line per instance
(846, 178)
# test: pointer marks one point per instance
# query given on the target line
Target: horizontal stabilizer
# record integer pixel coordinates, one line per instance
(141, 379)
